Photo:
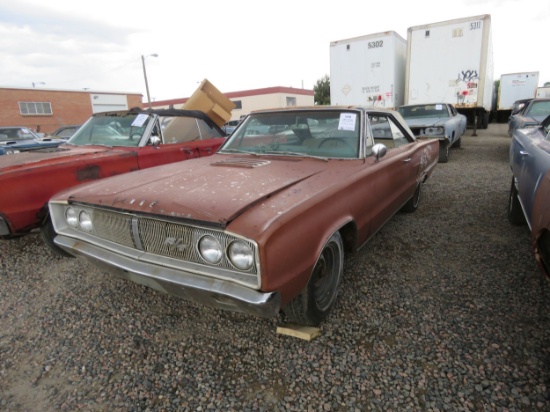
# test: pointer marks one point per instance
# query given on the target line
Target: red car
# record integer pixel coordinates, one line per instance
(107, 144)
(263, 224)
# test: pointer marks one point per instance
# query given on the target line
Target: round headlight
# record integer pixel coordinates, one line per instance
(85, 221)
(435, 130)
(210, 249)
(71, 217)
(241, 255)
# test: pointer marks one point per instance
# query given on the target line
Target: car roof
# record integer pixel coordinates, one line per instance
(163, 112)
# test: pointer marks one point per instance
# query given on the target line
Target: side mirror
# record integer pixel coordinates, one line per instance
(155, 141)
(379, 150)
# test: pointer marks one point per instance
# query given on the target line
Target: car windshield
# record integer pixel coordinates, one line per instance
(320, 133)
(112, 130)
(16, 133)
(539, 108)
(424, 110)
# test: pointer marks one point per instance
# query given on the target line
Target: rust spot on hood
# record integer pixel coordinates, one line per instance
(90, 172)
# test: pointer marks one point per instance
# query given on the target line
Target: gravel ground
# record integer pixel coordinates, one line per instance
(444, 309)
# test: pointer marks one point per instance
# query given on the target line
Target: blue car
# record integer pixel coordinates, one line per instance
(529, 198)
(436, 121)
(15, 139)
(534, 112)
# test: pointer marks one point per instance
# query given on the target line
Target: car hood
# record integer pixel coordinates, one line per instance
(425, 122)
(50, 156)
(215, 189)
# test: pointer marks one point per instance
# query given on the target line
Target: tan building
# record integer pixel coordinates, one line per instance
(255, 99)
(45, 110)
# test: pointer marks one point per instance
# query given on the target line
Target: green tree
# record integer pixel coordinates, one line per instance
(322, 91)
(547, 84)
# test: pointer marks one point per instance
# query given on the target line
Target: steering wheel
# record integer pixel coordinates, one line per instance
(338, 139)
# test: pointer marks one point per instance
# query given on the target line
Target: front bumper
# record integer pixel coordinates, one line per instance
(4, 227)
(216, 293)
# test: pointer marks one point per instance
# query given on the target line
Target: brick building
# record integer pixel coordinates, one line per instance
(44, 110)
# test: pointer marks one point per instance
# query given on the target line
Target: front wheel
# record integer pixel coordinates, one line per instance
(48, 234)
(443, 152)
(515, 212)
(313, 304)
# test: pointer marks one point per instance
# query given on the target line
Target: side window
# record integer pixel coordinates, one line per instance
(385, 131)
(180, 130)
(399, 138)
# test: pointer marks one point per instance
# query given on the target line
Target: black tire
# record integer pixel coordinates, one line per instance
(313, 304)
(458, 143)
(443, 153)
(515, 211)
(412, 203)
(47, 233)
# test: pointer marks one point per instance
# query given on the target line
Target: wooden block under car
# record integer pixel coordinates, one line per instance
(299, 331)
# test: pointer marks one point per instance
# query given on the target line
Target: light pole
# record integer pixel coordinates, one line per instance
(145, 76)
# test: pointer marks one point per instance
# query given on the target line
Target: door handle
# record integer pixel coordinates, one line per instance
(407, 160)
(523, 153)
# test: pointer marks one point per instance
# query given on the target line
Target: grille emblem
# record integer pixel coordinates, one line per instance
(174, 242)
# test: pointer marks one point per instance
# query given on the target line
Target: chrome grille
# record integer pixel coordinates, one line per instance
(159, 237)
(115, 227)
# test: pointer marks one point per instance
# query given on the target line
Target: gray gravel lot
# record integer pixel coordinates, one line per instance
(444, 309)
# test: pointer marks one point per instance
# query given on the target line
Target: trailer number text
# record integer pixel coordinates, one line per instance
(475, 25)
(375, 44)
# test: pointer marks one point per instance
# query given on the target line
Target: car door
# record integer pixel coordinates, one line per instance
(459, 122)
(530, 161)
(182, 138)
(395, 173)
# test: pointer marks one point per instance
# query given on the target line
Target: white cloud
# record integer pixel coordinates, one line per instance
(237, 45)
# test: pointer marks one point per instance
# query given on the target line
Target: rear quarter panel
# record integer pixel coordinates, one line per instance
(541, 218)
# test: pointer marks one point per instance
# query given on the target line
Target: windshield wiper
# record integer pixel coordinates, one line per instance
(237, 151)
(300, 154)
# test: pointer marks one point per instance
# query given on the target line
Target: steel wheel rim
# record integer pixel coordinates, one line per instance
(327, 271)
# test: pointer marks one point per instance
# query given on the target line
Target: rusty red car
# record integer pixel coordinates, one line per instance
(261, 226)
(107, 144)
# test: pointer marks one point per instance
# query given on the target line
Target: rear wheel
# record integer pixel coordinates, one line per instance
(313, 304)
(48, 234)
(412, 203)
(515, 212)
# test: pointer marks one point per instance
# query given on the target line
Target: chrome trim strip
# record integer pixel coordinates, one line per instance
(4, 228)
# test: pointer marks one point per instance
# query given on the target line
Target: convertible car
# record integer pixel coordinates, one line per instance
(531, 115)
(108, 144)
(262, 225)
(17, 139)
(529, 200)
(436, 121)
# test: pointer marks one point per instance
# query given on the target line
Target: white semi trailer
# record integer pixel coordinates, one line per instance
(452, 62)
(368, 70)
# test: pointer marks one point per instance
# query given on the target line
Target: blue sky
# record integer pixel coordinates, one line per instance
(237, 45)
